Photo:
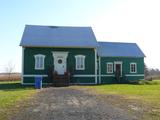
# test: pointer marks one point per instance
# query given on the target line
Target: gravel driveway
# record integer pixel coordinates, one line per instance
(65, 103)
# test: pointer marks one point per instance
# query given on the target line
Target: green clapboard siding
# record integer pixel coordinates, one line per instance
(29, 62)
(83, 80)
(108, 80)
(125, 69)
(29, 66)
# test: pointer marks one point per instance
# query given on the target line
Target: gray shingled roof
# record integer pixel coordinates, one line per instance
(55, 36)
(116, 49)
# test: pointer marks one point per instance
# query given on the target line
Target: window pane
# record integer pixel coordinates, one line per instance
(109, 68)
(39, 62)
(133, 67)
(80, 62)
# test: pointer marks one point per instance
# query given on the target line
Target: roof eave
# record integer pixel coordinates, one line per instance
(57, 46)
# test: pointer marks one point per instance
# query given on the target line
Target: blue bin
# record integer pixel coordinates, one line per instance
(38, 82)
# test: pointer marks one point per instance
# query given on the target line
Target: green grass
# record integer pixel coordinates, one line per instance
(10, 94)
(147, 92)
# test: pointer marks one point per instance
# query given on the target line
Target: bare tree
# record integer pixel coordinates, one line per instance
(146, 71)
(9, 69)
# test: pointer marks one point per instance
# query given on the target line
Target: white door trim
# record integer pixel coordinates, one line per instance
(118, 62)
(56, 54)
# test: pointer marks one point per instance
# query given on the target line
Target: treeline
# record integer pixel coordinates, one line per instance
(151, 73)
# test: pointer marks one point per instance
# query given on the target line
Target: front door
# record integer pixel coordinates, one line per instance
(60, 65)
(118, 68)
(60, 62)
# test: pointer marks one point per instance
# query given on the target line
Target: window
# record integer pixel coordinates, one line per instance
(39, 61)
(80, 62)
(109, 67)
(133, 67)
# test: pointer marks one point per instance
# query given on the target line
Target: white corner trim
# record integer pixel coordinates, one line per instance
(134, 75)
(22, 66)
(95, 66)
(99, 69)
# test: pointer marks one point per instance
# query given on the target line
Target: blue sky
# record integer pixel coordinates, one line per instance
(112, 20)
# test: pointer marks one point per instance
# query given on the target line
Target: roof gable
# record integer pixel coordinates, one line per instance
(116, 49)
(55, 36)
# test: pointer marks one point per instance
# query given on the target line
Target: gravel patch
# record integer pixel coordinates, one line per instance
(65, 103)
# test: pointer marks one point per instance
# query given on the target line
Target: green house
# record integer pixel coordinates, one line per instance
(75, 49)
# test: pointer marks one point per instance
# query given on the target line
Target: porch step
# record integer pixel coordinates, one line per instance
(61, 81)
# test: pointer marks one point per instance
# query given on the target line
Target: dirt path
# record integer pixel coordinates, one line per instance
(69, 104)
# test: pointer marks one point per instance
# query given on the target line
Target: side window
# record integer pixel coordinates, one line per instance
(80, 62)
(39, 61)
(109, 67)
(133, 68)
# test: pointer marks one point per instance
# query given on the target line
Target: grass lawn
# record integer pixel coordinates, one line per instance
(10, 94)
(146, 92)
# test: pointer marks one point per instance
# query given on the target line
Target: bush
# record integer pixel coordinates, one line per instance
(146, 82)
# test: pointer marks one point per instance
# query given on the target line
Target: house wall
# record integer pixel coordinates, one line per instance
(86, 76)
(126, 75)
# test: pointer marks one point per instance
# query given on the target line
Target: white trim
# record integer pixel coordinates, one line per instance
(108, 75)
(109, 63)
(133, 63)
(83, 62)
(95, 66)
(73, 75)
(22, 70)
(41, 56)
(34, 83)
(100, 70)
(118, 62)
(82, 83)
(134, 75)
(56, 55)
(34, 75)
(87, 75)
(83, 75)
(52, 83)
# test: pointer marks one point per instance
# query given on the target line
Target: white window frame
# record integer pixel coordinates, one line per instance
(109, 63)
(36, 61)
(83, 62)
(135, 67)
